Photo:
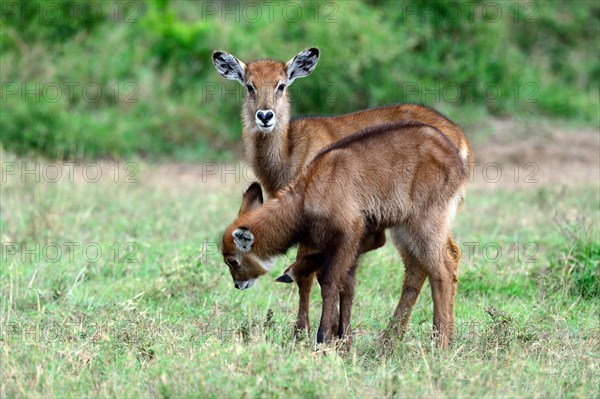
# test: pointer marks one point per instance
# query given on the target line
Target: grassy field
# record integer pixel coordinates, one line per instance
(115, 287)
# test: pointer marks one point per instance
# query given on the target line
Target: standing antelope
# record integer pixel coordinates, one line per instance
(279, 148)
(408, 177)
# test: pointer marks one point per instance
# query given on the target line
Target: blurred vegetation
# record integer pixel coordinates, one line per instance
(117, 79)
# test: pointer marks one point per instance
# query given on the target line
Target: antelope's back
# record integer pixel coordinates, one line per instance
(310, 135)
(386, 172)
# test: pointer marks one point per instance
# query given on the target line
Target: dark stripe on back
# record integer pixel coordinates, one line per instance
(300, 117)
(378, 130)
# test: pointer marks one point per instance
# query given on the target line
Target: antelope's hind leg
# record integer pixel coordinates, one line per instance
(344, 330)
(302, 267)
(443, 280)
(414, 278)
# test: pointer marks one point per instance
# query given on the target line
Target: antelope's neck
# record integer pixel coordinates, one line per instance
(269, 156)
(276, 225)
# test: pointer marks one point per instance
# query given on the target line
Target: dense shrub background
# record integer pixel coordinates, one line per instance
(161, 96)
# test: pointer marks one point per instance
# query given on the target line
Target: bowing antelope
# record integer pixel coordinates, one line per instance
(406, 177)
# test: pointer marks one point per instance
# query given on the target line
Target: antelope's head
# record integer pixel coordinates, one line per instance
(245, 265)
(266, 82)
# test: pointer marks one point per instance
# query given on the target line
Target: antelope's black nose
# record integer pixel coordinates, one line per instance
(236, 285)
(264, 117)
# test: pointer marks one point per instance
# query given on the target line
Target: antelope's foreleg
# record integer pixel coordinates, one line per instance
(302, 326)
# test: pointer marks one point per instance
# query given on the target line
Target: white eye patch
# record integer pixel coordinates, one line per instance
(266, 265)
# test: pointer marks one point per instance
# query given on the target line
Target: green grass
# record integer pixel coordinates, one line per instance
(171, 324)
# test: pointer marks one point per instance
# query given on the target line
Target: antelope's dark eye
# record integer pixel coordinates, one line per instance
(280, 87)
(232, 262)
(250, 89)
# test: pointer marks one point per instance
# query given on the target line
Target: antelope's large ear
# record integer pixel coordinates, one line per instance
(243, 239)
(302, 64)
(229, 66)
(252, 199)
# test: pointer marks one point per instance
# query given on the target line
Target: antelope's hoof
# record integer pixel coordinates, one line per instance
(284, 278)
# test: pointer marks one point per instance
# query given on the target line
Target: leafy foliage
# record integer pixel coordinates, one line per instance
(160, 96)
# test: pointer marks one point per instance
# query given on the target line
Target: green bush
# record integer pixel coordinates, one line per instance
(162, 97)
(54, 21)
